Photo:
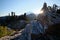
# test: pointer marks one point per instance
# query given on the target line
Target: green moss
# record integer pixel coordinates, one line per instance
(4, 31)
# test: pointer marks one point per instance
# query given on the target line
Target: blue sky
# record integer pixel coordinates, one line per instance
(22, 6)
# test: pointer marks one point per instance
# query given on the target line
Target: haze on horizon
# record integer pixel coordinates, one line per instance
(22, 6)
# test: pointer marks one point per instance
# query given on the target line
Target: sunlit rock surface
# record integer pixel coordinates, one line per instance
(34, 27)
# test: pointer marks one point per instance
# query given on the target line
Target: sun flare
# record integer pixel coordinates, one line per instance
(38, 11)
(41, 11)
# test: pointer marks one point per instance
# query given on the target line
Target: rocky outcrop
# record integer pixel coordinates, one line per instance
(34, 27)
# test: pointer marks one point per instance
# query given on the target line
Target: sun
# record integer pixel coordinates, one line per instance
(38, 11)
(41, 11)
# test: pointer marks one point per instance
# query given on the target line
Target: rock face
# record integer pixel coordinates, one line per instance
(34, 27)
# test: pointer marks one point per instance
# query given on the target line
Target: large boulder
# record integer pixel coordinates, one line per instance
(34, 27)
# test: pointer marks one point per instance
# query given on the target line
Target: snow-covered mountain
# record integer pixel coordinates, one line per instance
(31, 16)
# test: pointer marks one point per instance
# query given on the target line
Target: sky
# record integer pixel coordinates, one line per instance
(22, 6)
